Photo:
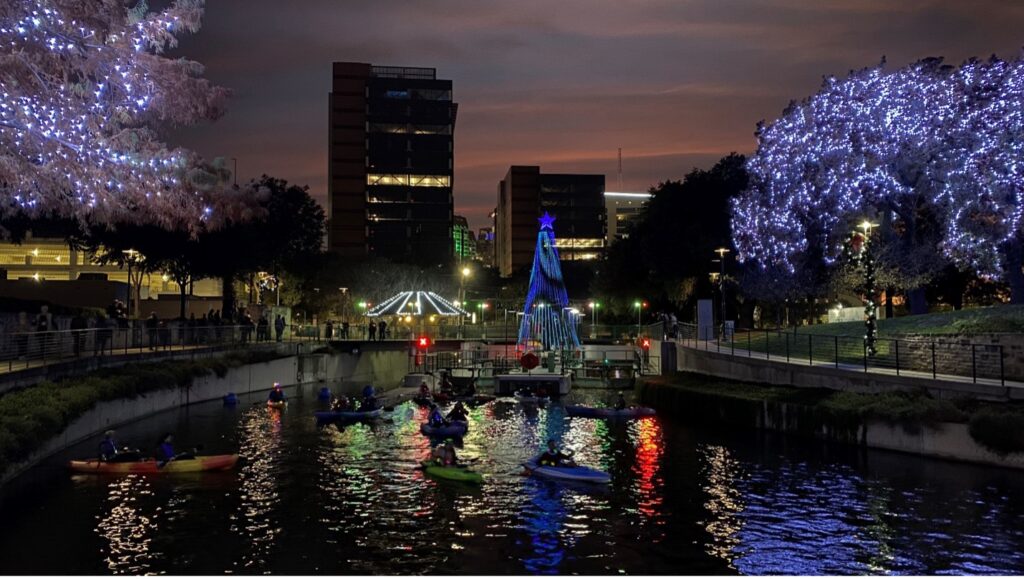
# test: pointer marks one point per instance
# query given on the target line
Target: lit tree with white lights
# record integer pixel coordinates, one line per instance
(932, 152)
(84, 85)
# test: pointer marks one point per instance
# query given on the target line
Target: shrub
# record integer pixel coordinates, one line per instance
(31, 416)
(999, 428)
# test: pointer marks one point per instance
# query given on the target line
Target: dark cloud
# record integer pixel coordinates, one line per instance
(675, 83)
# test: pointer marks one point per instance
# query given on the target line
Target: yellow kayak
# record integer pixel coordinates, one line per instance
(197, 464)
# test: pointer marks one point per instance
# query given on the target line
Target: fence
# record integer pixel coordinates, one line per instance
(917, 357)
(22, 350)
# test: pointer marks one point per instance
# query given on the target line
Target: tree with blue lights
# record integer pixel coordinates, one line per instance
(85, 85)
(548, 323)
(931, 152)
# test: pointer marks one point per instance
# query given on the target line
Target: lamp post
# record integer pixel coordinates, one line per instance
(639, 306)
(130, 259)
(462, 295)
(721, 251)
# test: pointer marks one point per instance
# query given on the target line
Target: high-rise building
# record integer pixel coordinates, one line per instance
(463, 239)
(576, 201)
(485, 246)
(622, 208)
(391, 163)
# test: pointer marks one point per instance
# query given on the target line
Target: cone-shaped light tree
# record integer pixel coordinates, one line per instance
(548, 323)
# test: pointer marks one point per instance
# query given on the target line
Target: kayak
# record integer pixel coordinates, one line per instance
(573, 473)
(457, 473)
(280, 404)
(530, 399)
(423, 400)
(588, 412)
(456, 428)
(150, 466)
(348, 415)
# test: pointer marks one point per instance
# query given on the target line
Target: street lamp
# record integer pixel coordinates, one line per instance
(639, 306)
(721, 251)
(462, 295)
(129, 259)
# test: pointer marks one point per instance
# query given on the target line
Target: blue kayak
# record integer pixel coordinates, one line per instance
(348, 415)
(588, 412)
(570, 473)
(455, 428)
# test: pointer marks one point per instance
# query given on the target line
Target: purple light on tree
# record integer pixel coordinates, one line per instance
(84, 84)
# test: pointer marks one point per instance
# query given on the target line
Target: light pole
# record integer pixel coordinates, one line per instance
(462, 295)
(129, 259)
(721, 251)
(639, 306)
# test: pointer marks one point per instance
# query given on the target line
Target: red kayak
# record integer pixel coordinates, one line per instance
(150, 466)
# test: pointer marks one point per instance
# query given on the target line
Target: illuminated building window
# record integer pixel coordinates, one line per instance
(578, 243)
(408, 180)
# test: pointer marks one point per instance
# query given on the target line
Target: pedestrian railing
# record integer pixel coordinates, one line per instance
(22, 350)
(919, 357)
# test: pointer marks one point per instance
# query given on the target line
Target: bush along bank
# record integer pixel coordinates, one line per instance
(997, 428)
(31, 416)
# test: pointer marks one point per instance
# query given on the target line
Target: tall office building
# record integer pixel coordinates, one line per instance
(464, 240)
(391, 163)
(576, 201)
(622, 209)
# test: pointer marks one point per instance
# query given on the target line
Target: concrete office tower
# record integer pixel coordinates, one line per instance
(391, 163)
(576, 201)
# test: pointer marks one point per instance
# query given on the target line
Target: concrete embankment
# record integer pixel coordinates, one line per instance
(745, 408)
(342, 371)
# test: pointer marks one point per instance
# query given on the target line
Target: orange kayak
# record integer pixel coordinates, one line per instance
(150, 466)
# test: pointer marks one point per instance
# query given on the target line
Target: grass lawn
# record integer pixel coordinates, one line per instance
(996, 319)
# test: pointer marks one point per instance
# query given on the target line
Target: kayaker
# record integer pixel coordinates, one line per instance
(554, 457)
(277, 394)
(620, 403)
(369, 403)
(445, 454)
(165, 450)
(458, 413)
(424, 390)
(368, 391)
(435, 419)
(109, 447)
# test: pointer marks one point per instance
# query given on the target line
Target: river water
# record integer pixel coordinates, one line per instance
(308, 499)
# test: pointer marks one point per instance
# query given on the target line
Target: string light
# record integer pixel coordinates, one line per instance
(81, 86)
(545, 311)
(952, 136)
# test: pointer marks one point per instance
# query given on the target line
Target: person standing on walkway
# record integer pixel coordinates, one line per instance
(78, 327)
(382, 330)
(371, 331)
(329, 330)
(152, 324)
(344, 330)
(279, 327)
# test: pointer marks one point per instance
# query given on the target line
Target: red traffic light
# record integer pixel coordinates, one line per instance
(423, 342)
(645, 343)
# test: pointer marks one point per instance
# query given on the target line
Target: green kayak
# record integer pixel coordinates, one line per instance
(459, 473)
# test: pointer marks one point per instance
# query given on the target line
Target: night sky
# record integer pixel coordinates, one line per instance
(563, 83)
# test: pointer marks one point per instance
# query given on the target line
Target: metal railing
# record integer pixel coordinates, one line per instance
(933, 357)
(23, 350)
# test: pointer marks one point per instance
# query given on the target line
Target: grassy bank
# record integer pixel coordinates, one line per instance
(999, 427)
(995, 319)
(31, 416)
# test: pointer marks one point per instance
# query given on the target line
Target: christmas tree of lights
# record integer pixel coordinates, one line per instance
(548, 323)
(84, 85)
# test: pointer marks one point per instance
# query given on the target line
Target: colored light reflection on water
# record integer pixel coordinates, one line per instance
(350, 499)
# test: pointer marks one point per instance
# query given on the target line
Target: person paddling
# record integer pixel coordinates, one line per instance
(112, 451)
(458, 413)
(445, 454)
(554, 457)
(435, 418)
(165, 451)
(277, 394)
(620, 403)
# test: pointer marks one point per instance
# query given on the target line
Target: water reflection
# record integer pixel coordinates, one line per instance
(128, 527)
(260, 449)
(724, 502)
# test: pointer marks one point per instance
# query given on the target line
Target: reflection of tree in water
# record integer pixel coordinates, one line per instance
(724, 502)
(261, 452)
(544, 520)
(126, 529)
